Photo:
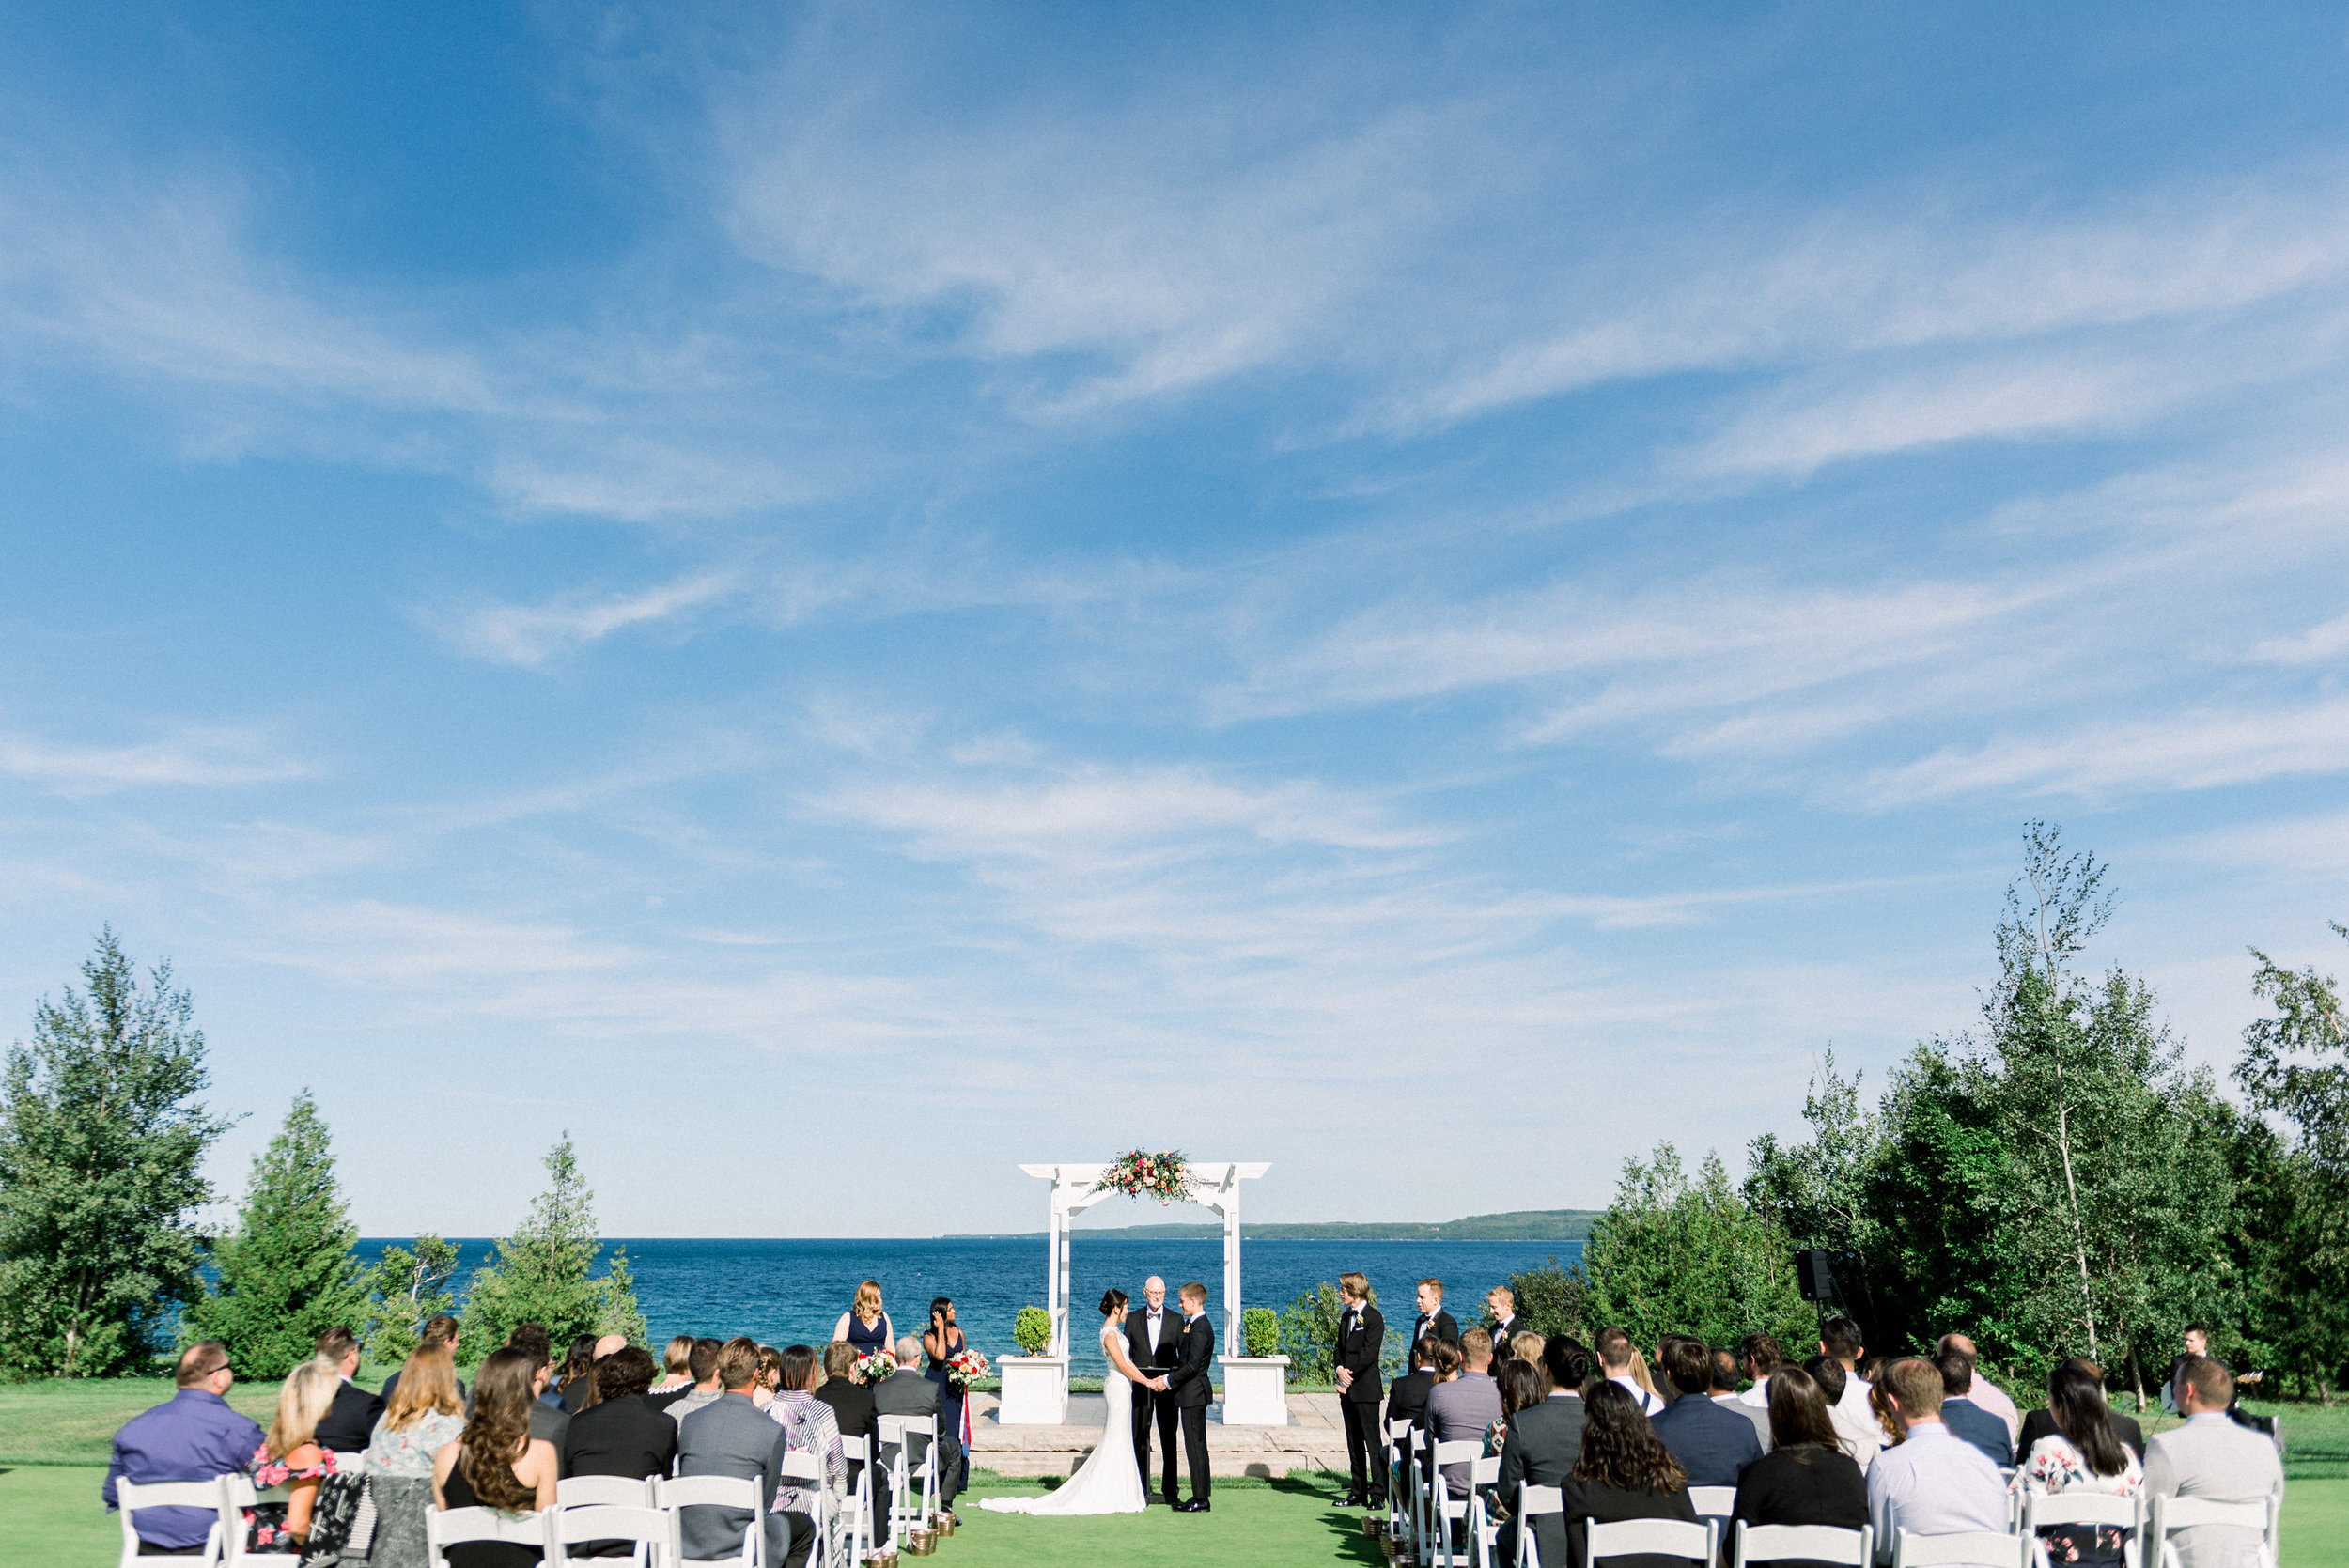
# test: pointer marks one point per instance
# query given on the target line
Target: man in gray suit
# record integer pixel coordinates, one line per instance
(907, 1393)
(732, 1436)
(2209, 1456)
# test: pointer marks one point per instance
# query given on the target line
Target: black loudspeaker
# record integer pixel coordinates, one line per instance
(1813, 1276)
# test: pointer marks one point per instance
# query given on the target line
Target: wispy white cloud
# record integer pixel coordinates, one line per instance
(214, 757)
(533, 635)
(2312, 646)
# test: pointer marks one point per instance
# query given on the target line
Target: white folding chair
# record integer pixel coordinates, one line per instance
(1443, 1508)
(602, 1491)
(2166, 1515)
(673, 1493)
(904, 1473)
(455, 1526)
(2049, 1510)
(1401, 1479)
(1698, 1543)
(1848, 1549)
(1912, 1550)
(856, 1509)
(653, 1531)
(1713, 1502)
(1484, 1530)
(209, 1495)
(805, 1470)
(1534, 1503)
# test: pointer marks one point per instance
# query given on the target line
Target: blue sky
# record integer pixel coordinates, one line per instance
(834, 599)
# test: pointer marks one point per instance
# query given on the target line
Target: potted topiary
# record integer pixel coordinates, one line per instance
(1255, 1385)
(1035, 1383)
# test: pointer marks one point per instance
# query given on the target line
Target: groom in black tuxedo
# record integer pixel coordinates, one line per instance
(1190, 1388)
(1154, 1338)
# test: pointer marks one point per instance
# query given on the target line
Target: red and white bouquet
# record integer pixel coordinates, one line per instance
(1138, 1175)
(966, 1368)
(873, 1366)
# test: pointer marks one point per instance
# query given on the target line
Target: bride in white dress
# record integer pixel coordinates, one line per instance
(1108, 1482)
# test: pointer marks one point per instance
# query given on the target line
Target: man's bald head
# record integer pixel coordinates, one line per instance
(1154, 1291)
(1958, 1343)
(610, 1343)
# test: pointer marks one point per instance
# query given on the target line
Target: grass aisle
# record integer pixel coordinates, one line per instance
(1297, 1520)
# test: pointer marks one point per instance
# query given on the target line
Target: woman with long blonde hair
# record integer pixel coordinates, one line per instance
(496, 1463)
(426, 1412)
(677, 1362)
(289, 1456)
(864, 1325)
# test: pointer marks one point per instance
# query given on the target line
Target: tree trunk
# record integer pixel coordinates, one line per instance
(2080, 1236)
(2136, 1381)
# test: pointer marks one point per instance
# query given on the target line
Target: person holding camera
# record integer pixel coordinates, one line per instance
(943, 1341)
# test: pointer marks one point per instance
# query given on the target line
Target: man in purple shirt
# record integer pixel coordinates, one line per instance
(194, 1437)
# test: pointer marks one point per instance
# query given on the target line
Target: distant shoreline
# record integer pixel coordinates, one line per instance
(1538, 1225)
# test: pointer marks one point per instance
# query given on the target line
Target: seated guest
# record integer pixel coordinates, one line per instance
(732, 1436)
(194, 1435)
(531, 1339)
(677, 1361)
(705, 1389)
(351, 1420)
(1624, 1472)
(1520, 1387)
(1762, 1356)
(1859, 1436)
(1406, 1397)
(1463, 1406)
(548, 1422)
(1806, 1478)
(496, 1463)
(851, 1402)
(1839, 1342)
(2041, 1423)
(1724, 1362)
(907, 1393)
(809, 1427)
(1543, 1443)
(619, 1433)
(441, 1330)
(1712, 1445)
(424, 1412)
(574, 1381)
(770, 1376)
(1616, 1355)
(2082, 1454)
(1982, 1392)
(1527, 1347)
(291, 1456)
(2211, 1456)
(1968, 1420)
(1931, 1482)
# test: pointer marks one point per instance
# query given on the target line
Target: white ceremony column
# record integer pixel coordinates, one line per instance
(1233, 1344)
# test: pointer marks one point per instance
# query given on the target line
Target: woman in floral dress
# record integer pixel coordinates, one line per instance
(814, 1429)
(289, 1457)
(2081, 1454)
(426, 1412)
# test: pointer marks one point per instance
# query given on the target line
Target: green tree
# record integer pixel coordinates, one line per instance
(1676, 1254)
(286, 1274)
(405, 1288)
(102, 1152)
(545, 1271)
(1549, 1298)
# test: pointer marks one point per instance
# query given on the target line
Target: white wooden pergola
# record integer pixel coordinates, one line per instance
(1076, 1188)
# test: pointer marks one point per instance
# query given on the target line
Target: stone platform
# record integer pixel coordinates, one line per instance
(1314, 1439)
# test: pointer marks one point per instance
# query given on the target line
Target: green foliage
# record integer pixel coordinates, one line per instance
(545, 1272)
(404, 1289)
(1549, 1299)
(1260, 1331)
(1692, 1256)
(1308, 1330)
(101, 1154)
(1031, 1330)
(286, 1274)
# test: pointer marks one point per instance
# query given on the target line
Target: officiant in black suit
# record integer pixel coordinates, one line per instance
(1154, 1338)
(1190, 1388)
(1361, 1334)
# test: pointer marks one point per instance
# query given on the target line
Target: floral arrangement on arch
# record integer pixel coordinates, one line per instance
(1140, 1174)
(873, 1366)
(965, 1367)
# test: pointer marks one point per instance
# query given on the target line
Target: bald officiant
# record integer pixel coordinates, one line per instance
(1154, 1338)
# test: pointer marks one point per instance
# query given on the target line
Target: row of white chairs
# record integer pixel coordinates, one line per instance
(613, 1508)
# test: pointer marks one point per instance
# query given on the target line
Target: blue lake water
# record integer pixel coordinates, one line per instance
(793, 1292)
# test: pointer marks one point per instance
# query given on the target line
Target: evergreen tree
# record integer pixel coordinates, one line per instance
(101, 1154)
(545, 1271)
(404, 1289)
(1673, 1254)
(287, 1274)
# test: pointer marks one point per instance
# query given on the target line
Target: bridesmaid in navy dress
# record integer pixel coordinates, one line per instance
(945, 1341)
(864, 1325)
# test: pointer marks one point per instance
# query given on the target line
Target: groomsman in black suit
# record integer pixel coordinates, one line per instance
(1154, 1338)
(1433, 1319)
(1362, 1333)
(1501, 1304)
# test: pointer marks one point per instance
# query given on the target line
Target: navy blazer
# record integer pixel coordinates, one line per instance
(1978, 1426)
(1712, 1444)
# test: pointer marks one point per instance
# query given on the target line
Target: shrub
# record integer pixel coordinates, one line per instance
(1549, 1299)
(1260, 1331)
(1031, 1330)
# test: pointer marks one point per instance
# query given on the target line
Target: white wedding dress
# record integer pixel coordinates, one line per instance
(1108, 1481)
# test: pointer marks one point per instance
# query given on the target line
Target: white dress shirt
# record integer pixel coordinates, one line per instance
(1649, 1403)
(1759, 1395)
(1933, 1484)
(1152, 1317)
(1855, 1402)
(1860, 1435)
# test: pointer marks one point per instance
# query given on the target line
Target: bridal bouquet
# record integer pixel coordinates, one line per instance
(873, 1366)
(1162, 1175)
(967, 1368)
